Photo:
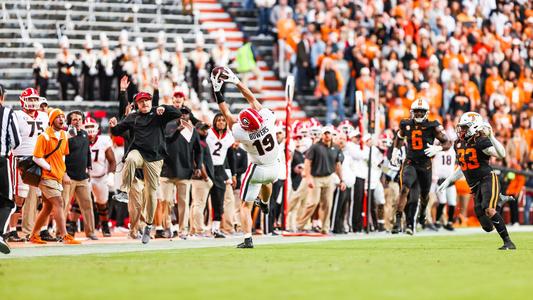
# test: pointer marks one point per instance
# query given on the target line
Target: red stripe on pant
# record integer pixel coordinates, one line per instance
(243, 182)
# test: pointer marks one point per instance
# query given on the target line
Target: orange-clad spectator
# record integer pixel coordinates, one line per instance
(329, 27)
(516, 158)
(285, 25)
(526, 83)
(49, 154)
(371, 48)
(493, 81)
(365, 83)
(526, 131)
(330, 84)
(434, 114)
(453, 54)
(471, 90)
(503, 121)
(398, 112)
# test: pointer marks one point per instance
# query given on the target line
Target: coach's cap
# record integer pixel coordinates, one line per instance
(202, 125)
(185, 110)
(179, 94)
(53, 114)
(142, 95)
(328, 128)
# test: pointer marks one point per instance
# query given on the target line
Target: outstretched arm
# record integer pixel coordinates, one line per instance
(245, 91)
(217, 84)
(450, 180)
(497, 149)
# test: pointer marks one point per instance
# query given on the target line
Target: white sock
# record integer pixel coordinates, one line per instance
(216, 226)
(247, 235)
(159, 228)
(12, 228)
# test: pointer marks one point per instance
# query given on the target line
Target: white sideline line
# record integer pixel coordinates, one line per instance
(158, 245)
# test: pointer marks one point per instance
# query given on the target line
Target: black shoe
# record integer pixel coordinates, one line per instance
(106, 232)
(4, 247)
(409, 230)
(246, 244)
(160, 234)
(174, 234)
(381, 227)
(438, 225)
(218, 235)
(397, 228)
(316, 229)
(262, 205)
(449, 226)
(508, 246)
(13, 237)
(45, 236)
(430, 226)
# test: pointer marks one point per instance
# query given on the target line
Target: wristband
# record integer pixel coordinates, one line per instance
(219, 97)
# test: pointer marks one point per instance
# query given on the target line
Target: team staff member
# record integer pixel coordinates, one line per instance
(53, 175)
(9, 139)
(147, 149)
(78, 161)
(321, 161)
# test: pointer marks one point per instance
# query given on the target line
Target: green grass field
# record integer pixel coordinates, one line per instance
(456, 267)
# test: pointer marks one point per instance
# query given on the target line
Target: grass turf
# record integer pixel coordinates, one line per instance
(446, 267)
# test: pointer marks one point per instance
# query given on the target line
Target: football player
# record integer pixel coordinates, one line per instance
(255, 129)
(103, 165)
(31, 123)
(475, 145)
(419, 134)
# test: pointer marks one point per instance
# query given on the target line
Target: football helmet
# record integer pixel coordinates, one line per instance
(30, 99)
(419, 110)
(469, 125)
(91, 126)
(250, 119)
(345, 127)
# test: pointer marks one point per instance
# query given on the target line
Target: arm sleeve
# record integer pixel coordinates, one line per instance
(38, 151)
(311, 153)
(197, 151)
(155, 98)
(122, 103)
(231, 160)
(171, 113)
(122, 126)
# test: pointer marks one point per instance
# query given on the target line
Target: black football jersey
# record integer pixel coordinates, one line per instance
(474, 163)
(417, 137)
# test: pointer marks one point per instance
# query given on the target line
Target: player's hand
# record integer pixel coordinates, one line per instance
(113, 122)
(342, 186)
(124, 83)
(232, 78)
(432, 150)
(395, 157)
(443, 186)
(216, 82)
(487, 129)
(160, 110)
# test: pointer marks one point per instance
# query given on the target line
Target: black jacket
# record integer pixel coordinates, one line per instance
(79, 158)
(148, 131)
(207, 160)
(183, 156)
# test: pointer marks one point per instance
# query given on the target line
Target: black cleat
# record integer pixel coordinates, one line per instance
(106, 232)
(246, 244)
(218, 235)
(71, 228)
(45, 236)
(160, 234)
(264, 206)
(449, 226)
(409, 230)
(13, 237)
(508, 246)
(4, 247)
(430, 226)
(397, 228)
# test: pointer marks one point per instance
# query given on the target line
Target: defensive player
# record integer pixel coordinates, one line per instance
(103, 165)
(255, 129)
(474, 147)
(418, 134)
(31, 123)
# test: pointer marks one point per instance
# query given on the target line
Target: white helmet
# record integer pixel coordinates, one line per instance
(91, 126)
(419, 105)
(469, 124)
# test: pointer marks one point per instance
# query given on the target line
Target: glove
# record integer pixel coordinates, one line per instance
(231, 76)
(217, 82)
(432, 150)
(487, 129)
(443, 186)
(475, 128)
(395, 157)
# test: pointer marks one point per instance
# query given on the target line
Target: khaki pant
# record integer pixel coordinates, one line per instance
(227, 224)
(296, 205)
(392, 192)
(29, 210)
(321, 194)
(135, 206)
(151, 171)
(182, 187)
(200, 192)
(79, 189)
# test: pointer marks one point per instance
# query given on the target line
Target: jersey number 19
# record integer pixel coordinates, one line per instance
(267, 142)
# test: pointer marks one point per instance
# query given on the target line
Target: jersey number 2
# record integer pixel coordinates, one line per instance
(267, 141)
(468, 159)
(416, 140)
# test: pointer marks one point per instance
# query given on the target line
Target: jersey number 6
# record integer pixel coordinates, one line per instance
(416, 140)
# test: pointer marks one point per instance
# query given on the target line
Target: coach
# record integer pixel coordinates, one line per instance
(147, 149)
(321, 161)
(9, 139)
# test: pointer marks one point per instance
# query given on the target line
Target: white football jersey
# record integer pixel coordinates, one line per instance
(219, 145)
(261, 145)
(98, 159)
(444, 164)
(29, 128)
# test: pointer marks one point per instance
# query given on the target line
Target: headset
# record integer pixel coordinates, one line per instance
(2, 91)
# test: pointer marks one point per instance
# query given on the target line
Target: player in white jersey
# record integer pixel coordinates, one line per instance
(219, 139)
(31, 122)
(443, 167)
(255, 129)
(103, 165)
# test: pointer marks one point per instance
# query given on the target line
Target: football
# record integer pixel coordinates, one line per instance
(217, 70)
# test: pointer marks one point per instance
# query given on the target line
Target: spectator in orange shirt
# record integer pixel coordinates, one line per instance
(397, 112)
(365, 83)
(493, 82)
(53, 175)
(330, 85)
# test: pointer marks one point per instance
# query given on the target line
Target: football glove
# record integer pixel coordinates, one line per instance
(232, 78)
(395, 159)
(432, 150)
(443, 186)
(217, 82)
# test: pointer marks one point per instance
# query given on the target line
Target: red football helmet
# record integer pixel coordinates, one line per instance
(91, 126)
(250, 119)
(30, 99)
